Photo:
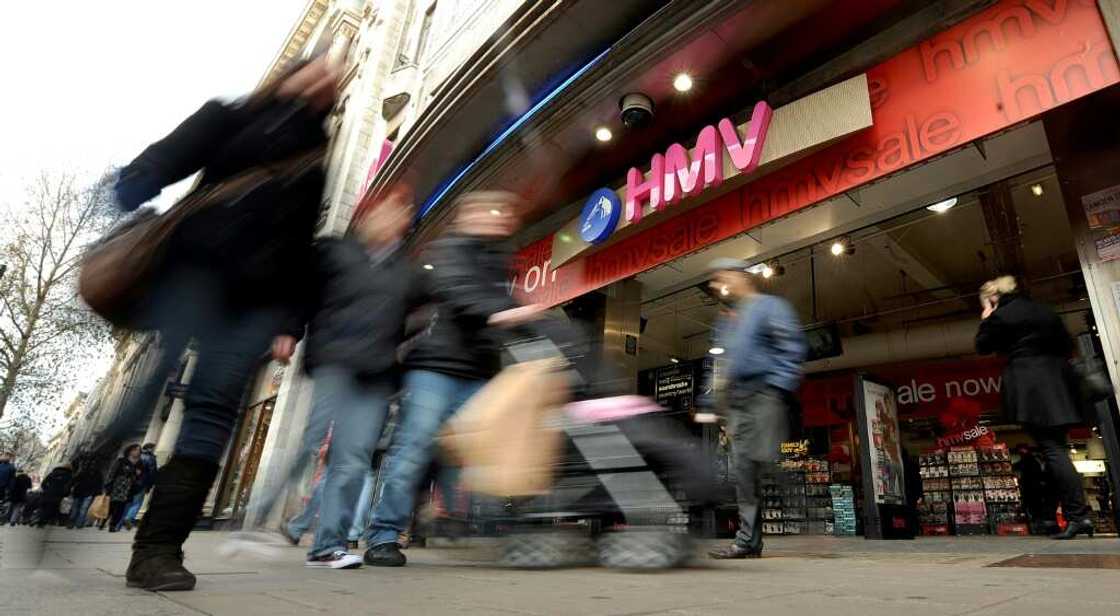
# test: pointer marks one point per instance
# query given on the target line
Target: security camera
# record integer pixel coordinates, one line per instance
(636, 110)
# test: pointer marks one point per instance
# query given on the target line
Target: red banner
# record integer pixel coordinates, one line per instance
(996, 69)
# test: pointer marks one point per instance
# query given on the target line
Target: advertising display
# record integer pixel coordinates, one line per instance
(884, 481)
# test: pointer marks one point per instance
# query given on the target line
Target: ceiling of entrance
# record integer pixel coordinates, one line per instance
(910, 266)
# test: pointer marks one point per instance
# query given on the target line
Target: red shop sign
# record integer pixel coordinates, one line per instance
(1002, 66)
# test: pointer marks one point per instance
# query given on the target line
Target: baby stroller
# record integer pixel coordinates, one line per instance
(627, 485)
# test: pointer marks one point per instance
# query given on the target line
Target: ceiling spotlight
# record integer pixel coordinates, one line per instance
(495, 212)
(603, 134)
(942, 206)
(1036, 190)
(682, 82)
(674, 360)
(566, 238)
(724, 291)
(838, 248)
(767, 271)
(429, 266)
(716, 350)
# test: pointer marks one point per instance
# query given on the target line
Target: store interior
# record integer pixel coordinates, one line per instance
(885, 281)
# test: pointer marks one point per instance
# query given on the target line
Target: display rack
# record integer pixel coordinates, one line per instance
(970, 491)
(797, 500)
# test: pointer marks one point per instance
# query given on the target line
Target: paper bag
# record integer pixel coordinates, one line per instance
(99, 508)
(507, 437)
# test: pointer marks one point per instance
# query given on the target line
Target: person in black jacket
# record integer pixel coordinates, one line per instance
(1038, 384)
(365, 291)
(468, 282)
(17, 496)
(121, 484)
(55, 487)
(87, 485)
(7, 475)
(233, 280)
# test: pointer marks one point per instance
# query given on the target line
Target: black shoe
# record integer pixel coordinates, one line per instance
(385, 555)
(1073, 529)
(735, 552)
(157, 549)
(158, 570)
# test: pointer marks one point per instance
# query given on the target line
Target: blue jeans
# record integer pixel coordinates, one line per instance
(299, 524)
(358, 410)
(134, 508)
(79, 510)
(430, 400)
(361, 512)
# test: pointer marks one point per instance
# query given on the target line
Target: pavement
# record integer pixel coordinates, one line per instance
(58, 571)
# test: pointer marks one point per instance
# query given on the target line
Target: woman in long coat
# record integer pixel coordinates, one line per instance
(1038, 385)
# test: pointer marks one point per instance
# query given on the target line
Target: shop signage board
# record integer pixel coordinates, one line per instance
(674, 387)
(1108, 247)
(1001, 67)
(881, 458)
(1102, 208)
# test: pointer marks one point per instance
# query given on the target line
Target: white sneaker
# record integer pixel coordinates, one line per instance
(335, 560)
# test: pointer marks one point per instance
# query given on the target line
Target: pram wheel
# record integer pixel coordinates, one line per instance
(647, 548)
(546, 550)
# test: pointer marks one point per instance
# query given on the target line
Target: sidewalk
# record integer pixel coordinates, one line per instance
(81, 572)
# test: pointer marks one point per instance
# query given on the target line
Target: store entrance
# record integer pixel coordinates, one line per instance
(890, 289)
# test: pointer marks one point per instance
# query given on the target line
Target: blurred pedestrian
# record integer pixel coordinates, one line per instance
(365, 290)
(149, 467)
(7, 475)
(121, 485)
(55, 487)
(763, 350)
(467, 280)
(87, 485)
(17, 496)
(1039, 388)
(233, 278)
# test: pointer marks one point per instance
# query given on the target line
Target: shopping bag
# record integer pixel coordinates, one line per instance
(508, 435)
(99, 508)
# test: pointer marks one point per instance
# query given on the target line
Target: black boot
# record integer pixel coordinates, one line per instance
(177, 499)
(1075, 528)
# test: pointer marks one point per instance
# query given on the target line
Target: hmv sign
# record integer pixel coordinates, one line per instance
(676, 174)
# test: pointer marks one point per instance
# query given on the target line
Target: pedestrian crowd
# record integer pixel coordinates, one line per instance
(392, 335)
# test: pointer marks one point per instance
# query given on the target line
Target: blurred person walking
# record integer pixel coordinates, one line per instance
(763, 351)
(1039, 387)
(7, 475)
(365, 288)
(87, 485)
(122, 484)
(453, 359)
(55, 487)
(231, 275)
(149, 468)
(17, 496)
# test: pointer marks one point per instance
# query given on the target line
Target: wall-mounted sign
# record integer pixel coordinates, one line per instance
(599, 216)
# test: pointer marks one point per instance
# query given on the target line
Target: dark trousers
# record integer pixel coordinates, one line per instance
(758, 422)
(116, 512)
(1054, 442)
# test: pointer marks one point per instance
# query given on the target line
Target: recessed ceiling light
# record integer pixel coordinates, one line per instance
(724, 291)
(837, 249)
(674, 360)
(429, 266)
(767, 271)
(1036, 190)
(716, 350)
(682, 82)
(603, 134)
(942, 206)
(495, 212)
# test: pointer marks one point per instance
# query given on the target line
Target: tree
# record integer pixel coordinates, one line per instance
(47, 336)
(20, 435)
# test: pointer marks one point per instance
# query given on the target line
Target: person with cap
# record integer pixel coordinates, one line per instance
(762, 350)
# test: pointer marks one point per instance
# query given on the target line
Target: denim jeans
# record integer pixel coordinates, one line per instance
(299, 524)
(361, 511)
(430, 400)
(132, 510)
(80, 510)
(358, 410)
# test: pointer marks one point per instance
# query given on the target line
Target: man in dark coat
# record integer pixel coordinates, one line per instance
(7, 475)
(1038, 385)
(17, 496)
(55, 488)
(468, 271)
(364, 290)
(87, 485)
